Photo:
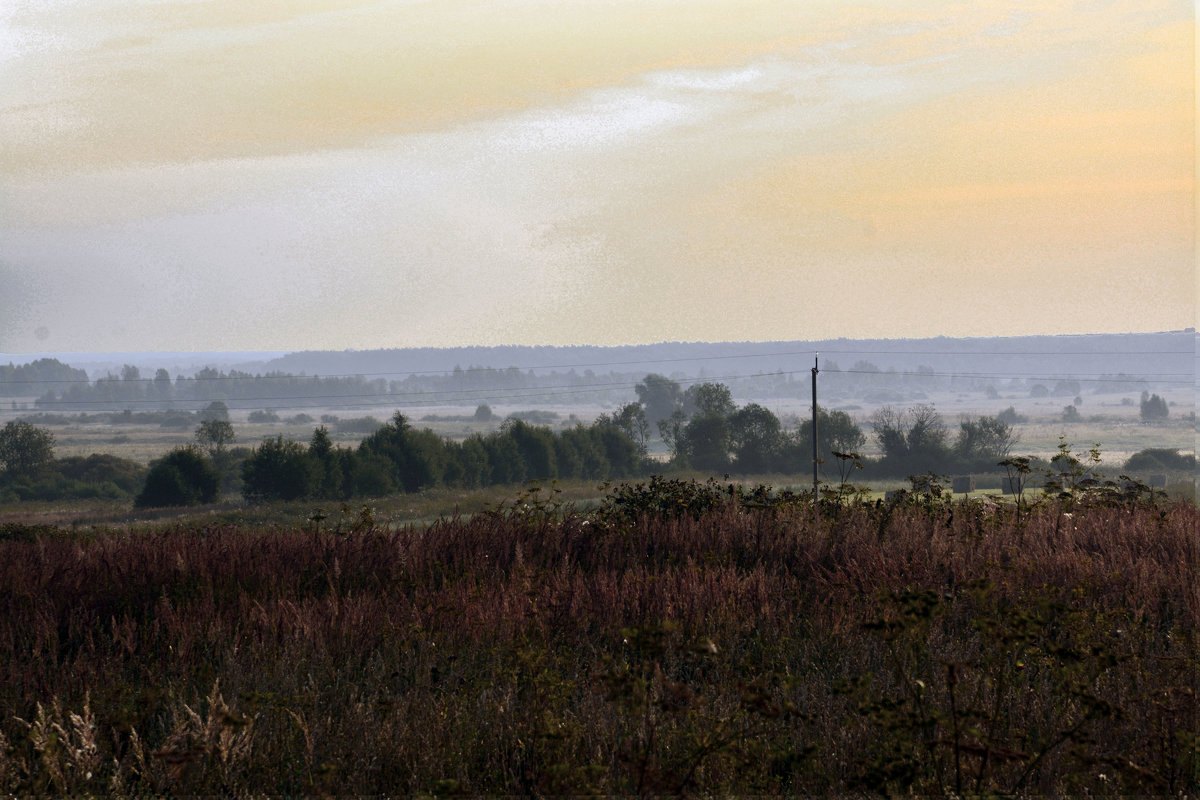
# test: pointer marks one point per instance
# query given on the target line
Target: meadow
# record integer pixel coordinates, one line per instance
(672, 638)
(1111, 421)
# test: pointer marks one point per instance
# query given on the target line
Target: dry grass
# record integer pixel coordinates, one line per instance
(930, 650)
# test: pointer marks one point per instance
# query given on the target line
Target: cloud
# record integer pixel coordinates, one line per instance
(532, 174)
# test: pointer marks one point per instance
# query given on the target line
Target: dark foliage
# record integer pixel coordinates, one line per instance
(126, 475)
(184, 477)
(1154, 408)
(911, 649)
(25, 450)
(279, 469)
(1160, 459)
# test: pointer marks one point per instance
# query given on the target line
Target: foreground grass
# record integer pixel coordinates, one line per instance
(652, 646)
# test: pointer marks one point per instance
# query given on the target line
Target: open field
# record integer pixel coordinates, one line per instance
(736, 648)
(1113, 422)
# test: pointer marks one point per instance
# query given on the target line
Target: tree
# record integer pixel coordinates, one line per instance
(328, 461)
(592, 446)
(216, 410)
(279, 469)
(473, 467)
(632, 421)
(888, 425)
(504, 459)
(836, 431)
(616, 455)
(369, 475)
(983, 442)
(927, 433)
(660, 397)
(162, 384)
(708, 399)
(536, 446)
(568, 460)
(25, 449)
(184, 477)
(213, 435)
(1010, 416)
(1160, 459)
(1066, 388)
(706, 442)
(912, 441)
(1154, 408)
(419, 458)
(756, 436)
(670, 430)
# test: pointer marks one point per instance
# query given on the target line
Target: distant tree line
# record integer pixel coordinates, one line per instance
(399, 458)
(73, 391)
(701, 426)
(396, 458)
(705, 430)
(58, 387)
(37, 377)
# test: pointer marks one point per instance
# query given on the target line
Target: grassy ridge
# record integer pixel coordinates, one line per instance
(716, 647)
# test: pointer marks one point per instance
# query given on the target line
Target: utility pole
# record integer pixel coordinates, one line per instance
(816, 357)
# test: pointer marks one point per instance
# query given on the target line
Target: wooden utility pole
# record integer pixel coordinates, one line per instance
(816, 495)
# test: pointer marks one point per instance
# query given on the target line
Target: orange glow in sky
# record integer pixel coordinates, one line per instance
(217, 174)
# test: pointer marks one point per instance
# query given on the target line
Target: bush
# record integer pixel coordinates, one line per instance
(1153, 408)
(1160, 459)
(533, 417)
(100, 468)
(184, 477)
(371, 476)
(367, 425)
(279, 469)
(1010, 416)
(216, 410)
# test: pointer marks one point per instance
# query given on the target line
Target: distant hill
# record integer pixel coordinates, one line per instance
(871, 370)
(1138, 354)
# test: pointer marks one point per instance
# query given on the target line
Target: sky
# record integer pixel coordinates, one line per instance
(345, 174)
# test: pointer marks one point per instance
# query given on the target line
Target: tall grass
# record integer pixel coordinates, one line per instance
(535, 650)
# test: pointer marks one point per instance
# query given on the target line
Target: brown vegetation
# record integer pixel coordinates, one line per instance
(928, 648)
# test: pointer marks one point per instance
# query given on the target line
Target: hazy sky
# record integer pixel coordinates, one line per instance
(299, 174)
